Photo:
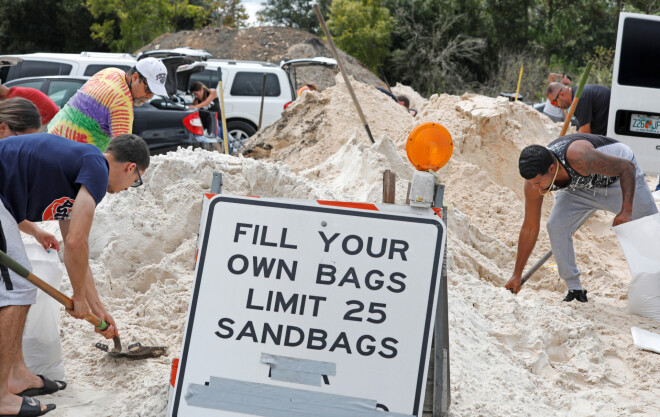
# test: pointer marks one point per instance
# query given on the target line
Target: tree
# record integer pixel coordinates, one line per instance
(510, 23)
(431, 51)
(561, 31)
(229, 13)
(45, 26)
(182, 22)
(361, 28)
(139, 21)
(298, 14)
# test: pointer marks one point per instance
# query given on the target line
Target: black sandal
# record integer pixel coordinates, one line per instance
(31, 408)
(49, 387)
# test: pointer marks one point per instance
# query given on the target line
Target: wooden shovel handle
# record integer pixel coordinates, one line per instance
(10, 263)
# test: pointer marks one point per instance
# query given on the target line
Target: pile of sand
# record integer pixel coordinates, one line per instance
(317, 125)
(526, 355)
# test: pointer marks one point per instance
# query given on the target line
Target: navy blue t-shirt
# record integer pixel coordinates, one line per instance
(40, 175)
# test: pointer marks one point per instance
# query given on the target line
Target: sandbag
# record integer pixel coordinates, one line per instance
(640, 241)
(42, 348)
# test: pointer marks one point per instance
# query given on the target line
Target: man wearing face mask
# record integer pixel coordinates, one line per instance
(103, 108)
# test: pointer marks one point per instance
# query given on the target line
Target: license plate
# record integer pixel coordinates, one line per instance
(644, 123)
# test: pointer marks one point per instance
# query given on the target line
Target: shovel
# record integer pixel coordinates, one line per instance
(135, 351)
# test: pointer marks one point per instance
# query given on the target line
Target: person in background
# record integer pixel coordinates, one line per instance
(47, 107)
(103, 108)
(560, 78)
(592, 110)
(549, 108)
(205, 98)
(304, 88)
(405, 102)
(18, 116)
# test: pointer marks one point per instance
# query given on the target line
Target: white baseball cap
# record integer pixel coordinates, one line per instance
(156, 74)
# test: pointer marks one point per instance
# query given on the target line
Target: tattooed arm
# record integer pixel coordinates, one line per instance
(586, 161)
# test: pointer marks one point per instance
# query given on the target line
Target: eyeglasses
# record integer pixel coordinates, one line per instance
(139, 181)
(554, 102)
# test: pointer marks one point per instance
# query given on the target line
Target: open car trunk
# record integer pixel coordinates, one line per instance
(179, 70)
(291, 65)
(5, 63)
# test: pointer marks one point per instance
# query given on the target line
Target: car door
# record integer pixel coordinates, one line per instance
(245, 95)
(160, 123)
(60, 91)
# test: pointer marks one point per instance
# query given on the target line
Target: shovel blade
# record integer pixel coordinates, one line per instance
(135, 351)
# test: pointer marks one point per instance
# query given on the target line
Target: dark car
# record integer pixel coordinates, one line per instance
(540, 107)
(163, 122)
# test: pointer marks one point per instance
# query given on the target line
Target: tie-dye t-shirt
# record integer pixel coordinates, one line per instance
(101, 110)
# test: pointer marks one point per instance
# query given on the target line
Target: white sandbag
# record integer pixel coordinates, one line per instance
(645, 340)
(640, 240)
(42, 348)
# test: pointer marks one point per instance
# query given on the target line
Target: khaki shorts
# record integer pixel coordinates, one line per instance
(14, 289)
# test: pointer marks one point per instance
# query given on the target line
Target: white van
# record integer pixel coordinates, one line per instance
(634, 117)
(82, 64)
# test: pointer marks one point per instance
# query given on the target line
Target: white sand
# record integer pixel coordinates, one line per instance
(525, 355)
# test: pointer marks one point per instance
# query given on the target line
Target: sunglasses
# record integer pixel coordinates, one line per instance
(139, 182)
(554, 102)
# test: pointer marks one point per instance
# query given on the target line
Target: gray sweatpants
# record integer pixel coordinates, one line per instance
(571, 207)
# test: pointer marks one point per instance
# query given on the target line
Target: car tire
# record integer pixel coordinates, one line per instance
(239, 133)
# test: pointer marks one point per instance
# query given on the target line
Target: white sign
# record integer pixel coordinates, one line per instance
(315, 285)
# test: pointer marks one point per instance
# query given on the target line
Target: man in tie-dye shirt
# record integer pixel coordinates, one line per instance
(103, 108)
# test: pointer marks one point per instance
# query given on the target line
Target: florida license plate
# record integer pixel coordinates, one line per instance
(644, 123)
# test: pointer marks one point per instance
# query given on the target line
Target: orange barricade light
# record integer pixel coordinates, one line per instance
(429, 146)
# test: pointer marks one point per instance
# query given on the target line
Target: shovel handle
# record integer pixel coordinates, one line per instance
(10, 263)
(576, 99)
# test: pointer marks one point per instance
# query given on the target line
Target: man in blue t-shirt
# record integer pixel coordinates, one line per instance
(47, 177)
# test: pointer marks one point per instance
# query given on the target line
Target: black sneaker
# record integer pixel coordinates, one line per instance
(580, 295)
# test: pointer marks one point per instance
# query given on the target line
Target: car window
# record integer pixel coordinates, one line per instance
(639, 58)
(208, 77)
(30, 84)
(40, 68)
(60, 91)
(250, 83)
(93, 69)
